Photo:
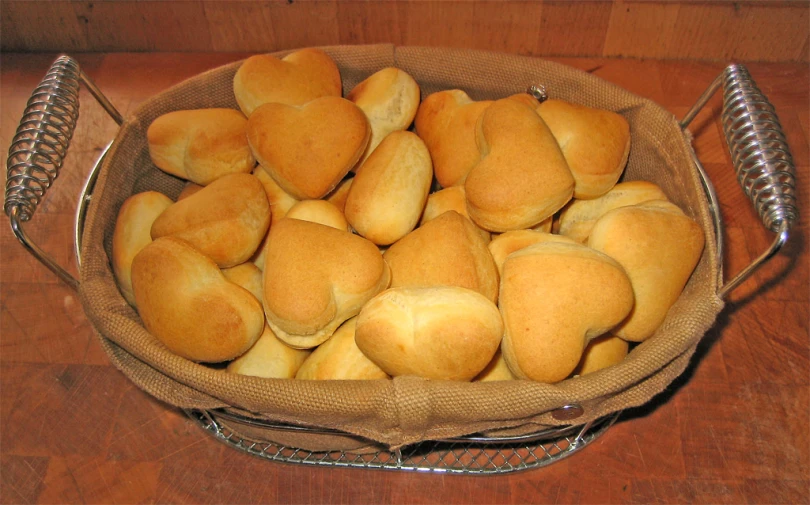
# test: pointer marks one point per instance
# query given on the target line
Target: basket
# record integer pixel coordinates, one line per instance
(406, 423)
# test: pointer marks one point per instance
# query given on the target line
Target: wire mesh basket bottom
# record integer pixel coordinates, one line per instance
(457, 457)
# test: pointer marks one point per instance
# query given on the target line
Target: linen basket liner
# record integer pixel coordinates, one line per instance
(404, 410)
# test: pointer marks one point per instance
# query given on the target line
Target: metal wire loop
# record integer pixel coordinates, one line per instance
(40, 145)
(759, 152)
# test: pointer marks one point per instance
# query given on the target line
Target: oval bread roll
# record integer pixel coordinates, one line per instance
(269, 358)
(132, 233)
(389, 98)
(296, 79)
(659, 246)
(555, 297)
(339, 358)
(317, 277)
(390, 189)
(445, 333)
(200, 145)
(186, 302)
(226, 220)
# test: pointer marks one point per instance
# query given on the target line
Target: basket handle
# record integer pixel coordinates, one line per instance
(761, 159)
(40, 145)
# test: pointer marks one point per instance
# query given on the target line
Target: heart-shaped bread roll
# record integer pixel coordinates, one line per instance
(390, 189)
(389, 98)
(339, 358)
(522, 177)
(595, 143)
(226, 220)
(296, 79)
(186, 302)
(317, 277)
(602, 352)
(506, 243)
(308, 150)
(555, 297)
(319, 211)
(200, 145)
(446, 122)
(132, 233)
(269, 358)
(659, 246)
(446, 251)
(579, 216)
(446, 333)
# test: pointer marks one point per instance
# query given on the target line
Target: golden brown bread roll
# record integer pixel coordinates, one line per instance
(226, 220)
(339, 195)
(555, 297)
(506, 243)
(602, 352)
(452, 198)
(522, 177)
(132, 233)
(189, 189)
(390, 189)
(186, 302)
(317, 277)
(200, 145)
(296, 79)
(659, 246)
(280, 201)
(445, 332)
(544, 226)
(579, 216)
(595, 143)
(446, 122)
(447, 251)
(389, 98)
(339, 358)
(308, 149)
(496, 370)
(247, 275)
(269, 358)
(319, 211)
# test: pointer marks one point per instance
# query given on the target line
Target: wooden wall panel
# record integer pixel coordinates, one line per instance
(747, 30)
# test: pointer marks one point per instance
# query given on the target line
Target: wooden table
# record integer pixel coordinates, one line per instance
(733, 429)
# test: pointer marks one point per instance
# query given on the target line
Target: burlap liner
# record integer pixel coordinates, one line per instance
(407, 409)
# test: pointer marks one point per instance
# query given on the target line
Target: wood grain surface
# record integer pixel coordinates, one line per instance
(750, 30)
(733, 429)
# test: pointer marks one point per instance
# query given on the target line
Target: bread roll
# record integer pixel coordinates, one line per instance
(447, 333)
(339, 358)
(308, 149)
(555, 297)
(132, 233)
(317, 277)
(446, 122)
(186, 302)
(452, 198)
(595, 143)
(522, 178)
(602, 352)
(280, 201)
(339, 195)
(296, 79)
(390, 189)
(447, 251)
(389, 98)
(269, 358)
(226, 220)
(319, 211)
(189, 189)
(496, 370)
(659, 246)
(248, 276)
(506, 243)
(579, 216)
(200, 145)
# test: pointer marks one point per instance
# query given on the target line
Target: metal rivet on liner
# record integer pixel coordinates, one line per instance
(567, 412)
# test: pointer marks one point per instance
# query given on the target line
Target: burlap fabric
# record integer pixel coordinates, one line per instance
(406, 409)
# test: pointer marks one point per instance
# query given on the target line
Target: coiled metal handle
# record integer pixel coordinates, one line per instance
(761, 158)
(43, 137)
(40, 145)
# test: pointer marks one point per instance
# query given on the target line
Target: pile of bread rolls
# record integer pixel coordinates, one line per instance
(307, 243)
